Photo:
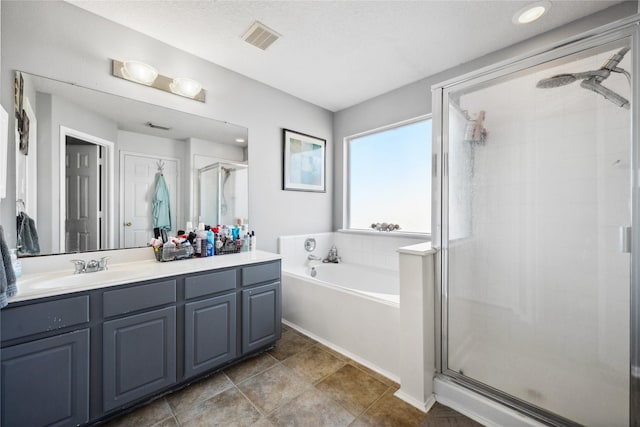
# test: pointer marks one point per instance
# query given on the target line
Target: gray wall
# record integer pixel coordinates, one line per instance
(53, 112)
(414, 99)
(60, 41)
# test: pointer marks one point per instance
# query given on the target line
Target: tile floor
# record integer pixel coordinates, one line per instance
(300, 382)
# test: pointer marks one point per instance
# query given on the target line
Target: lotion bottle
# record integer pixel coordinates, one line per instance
(252, 242)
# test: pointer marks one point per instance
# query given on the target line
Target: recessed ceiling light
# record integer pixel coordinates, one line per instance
(239, 140)
(531, 12)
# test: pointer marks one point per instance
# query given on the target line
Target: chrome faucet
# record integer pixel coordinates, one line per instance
(313, 257)
(332, 256)
(91, 266)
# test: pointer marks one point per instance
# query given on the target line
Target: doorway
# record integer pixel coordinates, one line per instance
(86, 192)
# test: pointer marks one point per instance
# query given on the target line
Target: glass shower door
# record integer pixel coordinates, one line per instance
(537, 286)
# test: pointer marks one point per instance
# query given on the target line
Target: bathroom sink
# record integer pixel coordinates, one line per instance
(63, 280)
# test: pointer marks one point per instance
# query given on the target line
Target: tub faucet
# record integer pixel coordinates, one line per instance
(332, 256)
(313, 257)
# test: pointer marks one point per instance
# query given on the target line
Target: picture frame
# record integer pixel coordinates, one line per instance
(19, 94)
(304, 162)
(24, 133)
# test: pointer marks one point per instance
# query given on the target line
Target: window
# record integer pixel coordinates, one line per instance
(389, 177)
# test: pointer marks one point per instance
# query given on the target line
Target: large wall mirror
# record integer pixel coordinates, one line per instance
(88, 165)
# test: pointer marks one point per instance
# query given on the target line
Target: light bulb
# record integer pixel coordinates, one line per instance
(139, 72)
(185, 86)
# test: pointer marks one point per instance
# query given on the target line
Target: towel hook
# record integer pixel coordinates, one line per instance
(160, 164)
(20, 205)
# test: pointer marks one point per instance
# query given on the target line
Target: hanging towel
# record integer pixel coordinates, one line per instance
(161, 201)
(28, 242)
(7, 276)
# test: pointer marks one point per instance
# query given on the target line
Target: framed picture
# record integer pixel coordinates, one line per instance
(304, 160)
(24, 133)
(19, 91)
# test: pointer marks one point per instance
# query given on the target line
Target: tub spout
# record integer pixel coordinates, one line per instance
(313, 257)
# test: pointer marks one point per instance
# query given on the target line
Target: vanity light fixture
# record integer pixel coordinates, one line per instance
(139, 72)
(531, 12)
(239, 140)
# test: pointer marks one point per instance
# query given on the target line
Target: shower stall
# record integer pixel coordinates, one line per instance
(223, 196)
(536, 215)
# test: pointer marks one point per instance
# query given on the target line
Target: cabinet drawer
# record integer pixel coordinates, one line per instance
(209, 283)
(260, 273)
(140, 297)
(31, 319)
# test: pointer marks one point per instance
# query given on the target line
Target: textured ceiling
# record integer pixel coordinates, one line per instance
(336, 54)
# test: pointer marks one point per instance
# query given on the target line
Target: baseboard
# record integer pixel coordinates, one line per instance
(344, 352)
(423, 406)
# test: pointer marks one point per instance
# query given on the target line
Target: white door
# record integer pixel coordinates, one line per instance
(138, 185)
(83, 192)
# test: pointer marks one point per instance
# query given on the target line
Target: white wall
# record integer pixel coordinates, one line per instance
(60, 41)
(414, 99)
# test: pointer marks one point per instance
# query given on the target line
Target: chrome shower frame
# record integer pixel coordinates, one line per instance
(625, 29)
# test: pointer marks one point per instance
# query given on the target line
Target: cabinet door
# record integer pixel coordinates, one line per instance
(260, 316)
(46, 382)
(210, 333)
(139, 356)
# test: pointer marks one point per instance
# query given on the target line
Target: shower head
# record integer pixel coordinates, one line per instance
(556, 81)
(595, 86)
(592, 79)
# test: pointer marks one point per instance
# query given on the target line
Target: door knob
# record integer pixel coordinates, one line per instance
(128, 224)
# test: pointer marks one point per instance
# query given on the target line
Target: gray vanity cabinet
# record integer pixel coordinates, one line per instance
(210, 324)
(210, 333)
(261, 308)
(81, 358)
(139, 350)
(46, 382)
(45, 363)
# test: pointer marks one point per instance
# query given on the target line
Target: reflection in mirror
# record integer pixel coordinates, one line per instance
(222, 196)
(87, 166)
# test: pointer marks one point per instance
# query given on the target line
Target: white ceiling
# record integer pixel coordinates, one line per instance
(336, 54)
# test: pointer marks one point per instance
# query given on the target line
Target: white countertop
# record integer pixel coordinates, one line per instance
(52, 283)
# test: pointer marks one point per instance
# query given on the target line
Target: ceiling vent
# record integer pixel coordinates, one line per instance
(260, 36)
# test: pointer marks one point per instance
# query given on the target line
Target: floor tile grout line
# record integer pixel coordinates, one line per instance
(374, 402)
(258, 373)
(339, 404)
(199, 401)
(251, 402)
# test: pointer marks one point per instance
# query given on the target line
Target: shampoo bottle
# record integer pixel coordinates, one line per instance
(252, 243)
(210, 243)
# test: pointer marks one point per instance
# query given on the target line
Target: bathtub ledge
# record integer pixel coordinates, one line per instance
(420, 249)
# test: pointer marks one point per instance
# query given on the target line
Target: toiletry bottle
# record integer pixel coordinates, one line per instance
(245, 242)
(17, 264)
(252, 243)
(218, 244)
(200, 236)
(210, 243)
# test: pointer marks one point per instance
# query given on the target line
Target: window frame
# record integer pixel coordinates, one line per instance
(346, 190)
